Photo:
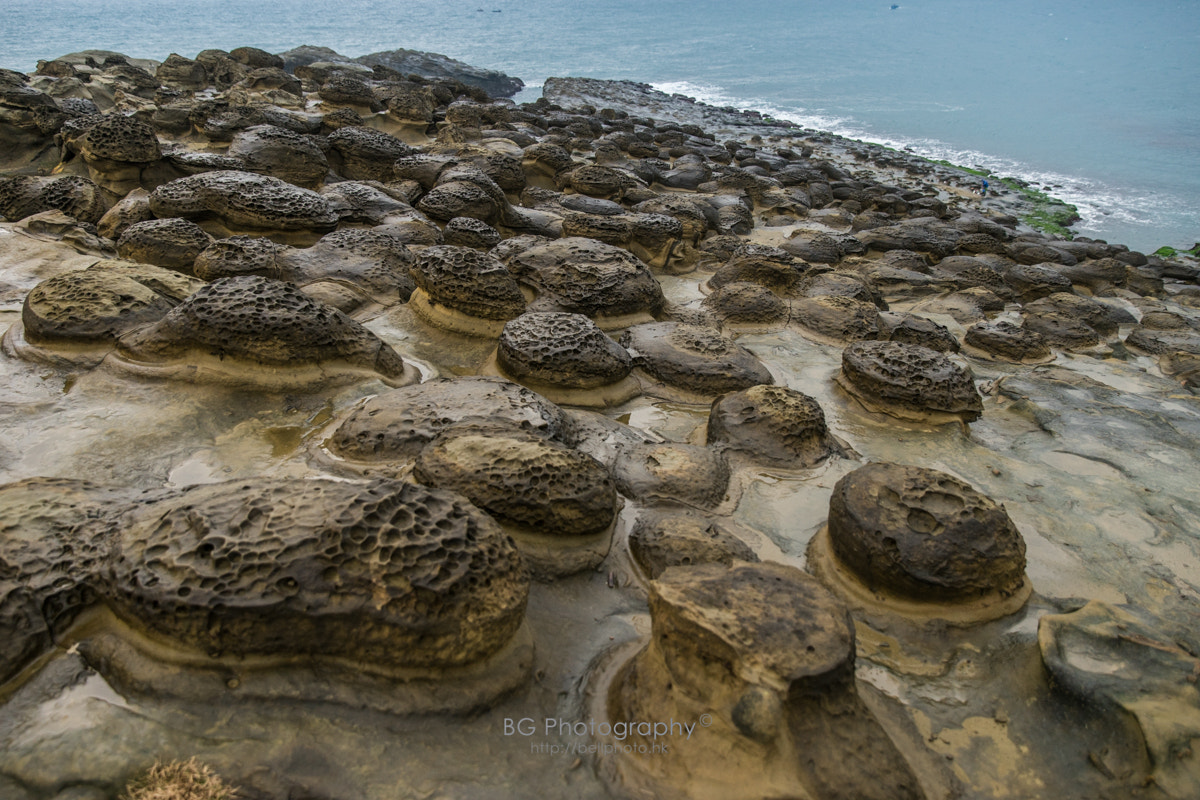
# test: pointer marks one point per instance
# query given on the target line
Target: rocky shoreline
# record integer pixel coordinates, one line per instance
(369, 435)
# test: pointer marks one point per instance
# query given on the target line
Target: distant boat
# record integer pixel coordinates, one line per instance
(895, 6)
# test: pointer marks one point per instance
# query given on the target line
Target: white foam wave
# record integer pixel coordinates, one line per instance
(1100, 205)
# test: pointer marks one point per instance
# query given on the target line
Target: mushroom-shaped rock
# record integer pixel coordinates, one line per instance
(771, 267)
(567, 358)
(243, 200)
(659, 541)
(694, 358)
(468, 232)
(270, 150)
(173, 243)
(384, 576)
(672, 472)
(559, 503)
(914, 329)
(257, 331)
(239, 255)
(24, 195)
(910, 382)
(1134, 666)
(907, 539)
(465, 290)
(1003, 341)
(588, 277)
(836, 318)
(765, 656)
(367, 154)
(116, 148)
(744, 303)
(773, 424)
(397, 425)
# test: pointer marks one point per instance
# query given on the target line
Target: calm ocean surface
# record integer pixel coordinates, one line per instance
(1099, 100)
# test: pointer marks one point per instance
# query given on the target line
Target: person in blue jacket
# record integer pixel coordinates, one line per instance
(983, 188)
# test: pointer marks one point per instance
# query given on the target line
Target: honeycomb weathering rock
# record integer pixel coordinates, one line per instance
(262, 322)
(746, 303)
(53, 537)
(367, 154)
(774, 424)
(765, 656)
(243, 199)
(100, 303)
(398, 424)
(1003, 340)
(521, 478)
(588, 277)
(469, 282)
(116, 137)
(271, 150)
(844, 319)
(674, 540)
(173, 243)
(924, 535)
(386, 573)
(561, 349)
(909, 381)
(24, 195)
(695, 358)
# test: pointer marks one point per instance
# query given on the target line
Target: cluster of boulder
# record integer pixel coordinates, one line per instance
(252, 214)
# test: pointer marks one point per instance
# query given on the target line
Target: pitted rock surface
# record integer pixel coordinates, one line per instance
(92, 305)
(1007, 341)
(1103, 319)
(271, 150)
(840, 284)
(243, 199)
(397, 425)
(672, 472)
(913, 329)
(370, 261)
(367, 154)
(239, 255)
(693, 357)
(771, 267)
(747, 303)
(844, 319)
(1158, 341)
(1031, 281)
(383, 572)
(116, 137)
(923, 534)
(521, 478)
(262, 321)
(173, 243)
(562, 350)
(1060, 328)
(681, 540)
(465, 280)
(587, 277)
(24, 195)
(905, 378)
(54, 535)
(775, 424)
(468, 232)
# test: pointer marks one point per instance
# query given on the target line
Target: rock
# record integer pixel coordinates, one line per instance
(693, 358)
(771, 267)
(464, 290)
(278, 152)
(474, 233)
(373, 264)
(567, 358)
(965, 307)
(1157, 341)
(397, 425)
(116, 148)
(840, 284)
(783, 715)
(435, 65)
(672, 473)
(256, 331)
(1103, 319)
(134, 207)
(660, 541)
(913, 329)
(1002, 340)
(1139, 669)
(239, 255)
(909, 534)
(243, 199)
(909, 382)
(584, 276)
(366, 153)
(173, 243)
(559, 504)
(774, 425)
(1059, 328)
(1034, 281)
(24, 195)
(836, 318)
(279, 569)
(743, 303)
(182, 73)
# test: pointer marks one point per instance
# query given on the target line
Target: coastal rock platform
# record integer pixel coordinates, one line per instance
(369, 435)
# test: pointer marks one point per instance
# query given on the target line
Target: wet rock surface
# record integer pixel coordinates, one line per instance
(316, 199)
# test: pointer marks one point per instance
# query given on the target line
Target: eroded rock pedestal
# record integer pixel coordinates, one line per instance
(761, 657)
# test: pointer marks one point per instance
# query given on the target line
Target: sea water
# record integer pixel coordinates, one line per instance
(1094, 101)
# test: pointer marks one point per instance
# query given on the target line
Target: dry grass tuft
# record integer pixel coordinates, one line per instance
(178, 780)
